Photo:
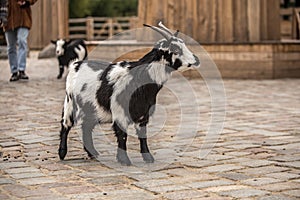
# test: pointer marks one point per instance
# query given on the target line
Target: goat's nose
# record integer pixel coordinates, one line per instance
(197, 63)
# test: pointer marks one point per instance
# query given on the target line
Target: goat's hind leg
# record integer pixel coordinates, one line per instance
(141, 132)
(87, 137)
(89, 121)
(121, 135)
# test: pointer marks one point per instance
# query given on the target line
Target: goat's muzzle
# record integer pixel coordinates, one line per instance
(197, 63)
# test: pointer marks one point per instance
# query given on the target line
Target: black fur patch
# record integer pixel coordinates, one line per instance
(78, 65)
(123, 64)
(141, 101)
(153, 55)
(105, 91)
(83, 88)
(177, 64)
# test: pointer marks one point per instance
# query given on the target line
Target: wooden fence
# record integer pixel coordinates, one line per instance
(99, 28)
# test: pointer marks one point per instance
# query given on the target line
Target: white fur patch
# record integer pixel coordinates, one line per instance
(119, 116)
(68, 111)
(116, 73)
(158, 73)
(188, 56)
(59, 47)
(121, 78)
(89, 78)
(80, 51)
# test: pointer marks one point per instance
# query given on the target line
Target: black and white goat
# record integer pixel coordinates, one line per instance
(67, 51)
(123, 93)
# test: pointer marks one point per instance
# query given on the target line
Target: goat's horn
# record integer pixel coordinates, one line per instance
(160, 24)
(162, 32)
(176, 33)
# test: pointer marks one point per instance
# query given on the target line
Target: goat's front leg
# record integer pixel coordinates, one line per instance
(61, 71)
(141, 132)
(121, 135)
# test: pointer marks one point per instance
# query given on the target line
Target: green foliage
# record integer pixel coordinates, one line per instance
(79, 8)
(102, 8)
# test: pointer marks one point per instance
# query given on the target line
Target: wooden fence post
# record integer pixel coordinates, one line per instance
(89, 28)
(296, 24)
(110, 27)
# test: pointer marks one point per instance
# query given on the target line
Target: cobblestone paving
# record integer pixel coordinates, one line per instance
(257, 156)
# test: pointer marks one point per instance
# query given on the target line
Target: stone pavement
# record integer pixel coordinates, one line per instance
(257, 155)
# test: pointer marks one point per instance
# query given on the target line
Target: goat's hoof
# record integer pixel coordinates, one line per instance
(92, 155)
(62, 153)
(148, 158)
(59, 76)
(124, 161)
(122, 158)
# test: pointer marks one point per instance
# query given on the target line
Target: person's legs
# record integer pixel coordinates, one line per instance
(22, 34)
(11, 40)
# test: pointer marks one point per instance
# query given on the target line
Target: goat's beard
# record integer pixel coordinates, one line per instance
(184, 68)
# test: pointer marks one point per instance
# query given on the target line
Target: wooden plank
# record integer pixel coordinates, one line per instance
(60, 15)
(176, 16)
(207, 20)
(77, 28)
(287, 69)
(54, 20)
(165, 11)
(253, 11)
(273, 20)
(202, 23)
(188, 30)
(35, 34)
(240, 22)
(225, 21)
(195, 20)
(66, 17)
(47, 30)
(263, 20)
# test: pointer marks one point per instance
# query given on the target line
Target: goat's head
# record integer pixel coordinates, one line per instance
(174, 49)
(59, 46)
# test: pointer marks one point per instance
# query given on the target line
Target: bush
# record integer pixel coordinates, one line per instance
(102, 8)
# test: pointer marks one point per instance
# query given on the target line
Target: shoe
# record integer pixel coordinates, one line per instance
(14, 77)
(23, 76)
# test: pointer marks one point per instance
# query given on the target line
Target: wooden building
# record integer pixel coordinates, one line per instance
(49, 21)
(216, 21)
(243, 37)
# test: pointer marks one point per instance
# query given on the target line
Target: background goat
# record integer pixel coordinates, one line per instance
(66, 51)
(121, 93)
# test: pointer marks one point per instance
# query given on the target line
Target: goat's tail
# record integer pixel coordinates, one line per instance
(81, 52)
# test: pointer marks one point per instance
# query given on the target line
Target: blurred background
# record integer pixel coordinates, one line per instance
(262, 35)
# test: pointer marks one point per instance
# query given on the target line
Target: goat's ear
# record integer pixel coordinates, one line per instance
(67, 42)
(176, 33)
(53, 42)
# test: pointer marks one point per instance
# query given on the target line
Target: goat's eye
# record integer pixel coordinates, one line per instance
(175, 49)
